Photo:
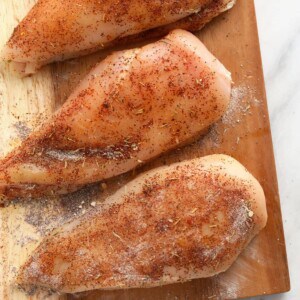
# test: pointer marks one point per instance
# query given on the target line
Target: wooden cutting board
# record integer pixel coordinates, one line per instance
(244, 133)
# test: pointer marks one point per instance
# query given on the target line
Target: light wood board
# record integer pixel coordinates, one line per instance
(244, 133)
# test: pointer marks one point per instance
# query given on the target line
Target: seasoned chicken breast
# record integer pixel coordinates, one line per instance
(60, 29)
(172, 224)
(132, 107)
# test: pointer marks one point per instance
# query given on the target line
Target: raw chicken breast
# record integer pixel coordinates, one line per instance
(60, 29)
(175, 223)
(132, 107)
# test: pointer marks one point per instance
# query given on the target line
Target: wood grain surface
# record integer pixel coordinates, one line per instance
(244, 133)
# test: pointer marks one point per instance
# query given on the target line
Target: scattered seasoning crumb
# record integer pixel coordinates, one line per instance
(69, 139)
(199, 81)
(250, 214)
(93, 204)
(194, 210)
(104, 185)
(139, 111)
(247, 108)
(117, 236)
(177, 221)
(134, 147)
(164, 125)
(172, 179)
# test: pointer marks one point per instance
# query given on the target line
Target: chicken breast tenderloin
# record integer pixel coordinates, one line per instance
(172, 224)
(133, 106)
(61, 29)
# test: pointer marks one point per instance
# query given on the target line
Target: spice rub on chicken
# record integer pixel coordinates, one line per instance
(61, 29)
(133, 106)
(172, 224)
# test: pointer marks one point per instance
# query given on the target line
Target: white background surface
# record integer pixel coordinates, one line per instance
(279, 31)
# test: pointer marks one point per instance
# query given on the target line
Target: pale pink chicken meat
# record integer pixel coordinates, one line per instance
(172, 224)
(132, 107)
(60, 29)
